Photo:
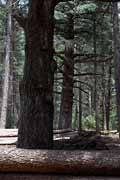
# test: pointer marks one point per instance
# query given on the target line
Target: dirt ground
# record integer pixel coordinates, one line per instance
(71, 140)
(88, 140)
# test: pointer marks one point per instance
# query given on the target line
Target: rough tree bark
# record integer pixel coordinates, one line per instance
(65, 120)
(36, 89)
(60, 162)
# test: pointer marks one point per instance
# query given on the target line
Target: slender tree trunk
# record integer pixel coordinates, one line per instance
(95, 80)
(80, 111)
(116, 38)
(65, 120)
(12, 110)
(74, 124)
(16, 100)
(104, 125)
(56, 100)
(90, 101)
(104, 114)
(107, 99)
(6, 71)
(15, 83)
(9, 117)
(106, 94)
(36, 89)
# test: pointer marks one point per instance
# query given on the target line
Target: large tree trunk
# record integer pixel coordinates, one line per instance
(36, 88)
(7, 70)
(65, 120)
(116, 38)
(60, 162)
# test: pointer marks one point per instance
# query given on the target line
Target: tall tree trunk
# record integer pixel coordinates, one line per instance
(36, 89)
(90, 100)
(13, 105)
(116, 38)
(80, 110)
(107, 99)
(7, 70)
(9, 117)
(56, 103)
(65, 120)
(95, 80)
(104, 125)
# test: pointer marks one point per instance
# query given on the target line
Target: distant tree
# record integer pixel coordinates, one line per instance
(65, 120)
(116, 39)
(7, 60)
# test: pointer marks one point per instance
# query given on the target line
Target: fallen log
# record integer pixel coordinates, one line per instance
(14, 132)
(17, 176)
(62, 131)
(8, 140)
(8, 132)
(60, 162)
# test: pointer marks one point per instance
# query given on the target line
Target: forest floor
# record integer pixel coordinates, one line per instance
(88, 140)
(70, 139)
